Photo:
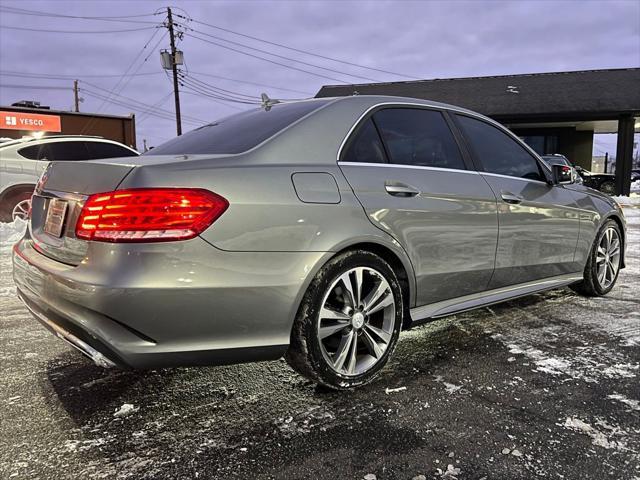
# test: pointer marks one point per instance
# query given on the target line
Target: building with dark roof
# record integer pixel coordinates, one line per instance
(553, 112)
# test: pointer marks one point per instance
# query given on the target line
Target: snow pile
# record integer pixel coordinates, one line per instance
(599, 438)
(126, 409)
(10, 233)
(631, 200)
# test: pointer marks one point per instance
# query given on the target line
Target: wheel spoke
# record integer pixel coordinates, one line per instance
(342, 351)
(331, 314)
(602, 270)
(374, 295)
(385, 301)
(359, 273)
(328, 330)
(346, 281)
(353, 355)
(371, 344)
(381, 334)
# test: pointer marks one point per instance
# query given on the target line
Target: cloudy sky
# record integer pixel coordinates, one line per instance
(118, 64)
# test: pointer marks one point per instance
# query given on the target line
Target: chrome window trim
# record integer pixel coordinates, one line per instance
(413, 167)
(439, 108)
(514, 178)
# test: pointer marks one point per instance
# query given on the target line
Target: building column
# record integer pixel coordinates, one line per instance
(624, 154)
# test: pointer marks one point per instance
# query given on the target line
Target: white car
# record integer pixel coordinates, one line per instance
(22, 162)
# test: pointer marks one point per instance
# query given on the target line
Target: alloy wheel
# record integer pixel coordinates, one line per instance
(21, 210)
(608, 257)
(356, 321)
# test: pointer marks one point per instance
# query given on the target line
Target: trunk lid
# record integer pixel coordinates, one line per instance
(58, 200)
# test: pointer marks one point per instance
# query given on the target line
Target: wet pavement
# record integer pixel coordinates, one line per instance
(543, 387)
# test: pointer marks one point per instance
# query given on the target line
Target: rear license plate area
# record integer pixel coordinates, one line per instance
(56, 213)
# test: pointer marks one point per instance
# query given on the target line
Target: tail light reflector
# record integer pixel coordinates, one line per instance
(148, 214)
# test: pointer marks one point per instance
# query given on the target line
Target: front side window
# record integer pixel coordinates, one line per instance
(238, 133)
(497, 151)
(418, 137)
(365, 146)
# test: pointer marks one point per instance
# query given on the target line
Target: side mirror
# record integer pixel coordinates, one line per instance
(562, 175)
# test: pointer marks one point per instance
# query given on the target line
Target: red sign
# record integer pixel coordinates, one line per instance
(30, 121)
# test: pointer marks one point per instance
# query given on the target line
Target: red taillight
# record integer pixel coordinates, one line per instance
(148, 214)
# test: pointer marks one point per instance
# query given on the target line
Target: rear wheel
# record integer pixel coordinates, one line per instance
(603, 265)
(608, 187)
(349, 321)
(17, 206)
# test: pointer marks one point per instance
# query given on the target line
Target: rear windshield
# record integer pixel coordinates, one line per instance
(237, 133)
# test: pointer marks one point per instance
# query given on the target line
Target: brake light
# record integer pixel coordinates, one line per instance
(148, 214)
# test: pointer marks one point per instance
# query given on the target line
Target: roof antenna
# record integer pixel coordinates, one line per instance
(267, 102)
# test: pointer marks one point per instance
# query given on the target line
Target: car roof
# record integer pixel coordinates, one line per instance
(58, 138)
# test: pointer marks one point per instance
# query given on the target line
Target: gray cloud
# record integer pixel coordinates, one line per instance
(423, 39)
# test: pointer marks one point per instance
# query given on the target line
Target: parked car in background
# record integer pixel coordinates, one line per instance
(558, 159)
(23, 161)
(315, 230)
(635, 175)
(605, 182)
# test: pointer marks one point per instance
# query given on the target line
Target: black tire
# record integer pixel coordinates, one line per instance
(590, 285)
(10, 202)
(305, 354)
(608, 187)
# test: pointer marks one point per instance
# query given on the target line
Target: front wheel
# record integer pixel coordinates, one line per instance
(603, 265)
(348, 322)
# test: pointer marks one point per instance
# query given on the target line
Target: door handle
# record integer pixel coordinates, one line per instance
(401, 190)
(511, 198)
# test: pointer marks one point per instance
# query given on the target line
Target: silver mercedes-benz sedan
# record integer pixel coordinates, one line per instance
(314, 230)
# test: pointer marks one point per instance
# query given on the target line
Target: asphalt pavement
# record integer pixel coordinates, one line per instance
(546, 386)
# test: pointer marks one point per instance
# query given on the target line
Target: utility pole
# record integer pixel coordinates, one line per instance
(174, 68)
(76, 97)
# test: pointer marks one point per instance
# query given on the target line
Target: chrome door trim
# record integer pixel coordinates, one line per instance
(415, 167)
(477, 300)
(514, 178)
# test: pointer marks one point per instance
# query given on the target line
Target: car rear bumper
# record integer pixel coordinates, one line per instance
(137, 306)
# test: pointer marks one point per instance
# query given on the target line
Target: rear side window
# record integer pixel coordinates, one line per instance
(31, 153)
(238, 133)
(67, 151)
(366, 146)
(107, 150)
(418, 137)
(497, 151)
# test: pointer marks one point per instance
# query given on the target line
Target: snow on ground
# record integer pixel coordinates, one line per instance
(10, 233)
(546, 386)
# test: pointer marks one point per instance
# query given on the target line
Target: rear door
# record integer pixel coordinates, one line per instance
(539, 222)
(408, 171)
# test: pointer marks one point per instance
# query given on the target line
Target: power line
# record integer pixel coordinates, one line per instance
(204, 91)
(11, 73)
(219, 90)
(38, 13)
(137, 103)
(250, 83)
(291, 67)
(113, 90)
(34, 87)
(279, 56)
(5, 27)
(345, 62)
(220, 102)
(155, 113)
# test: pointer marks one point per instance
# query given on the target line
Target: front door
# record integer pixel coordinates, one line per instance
(406, 169)
(538, 222)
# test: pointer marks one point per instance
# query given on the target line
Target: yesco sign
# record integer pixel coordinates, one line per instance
(29, 121)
